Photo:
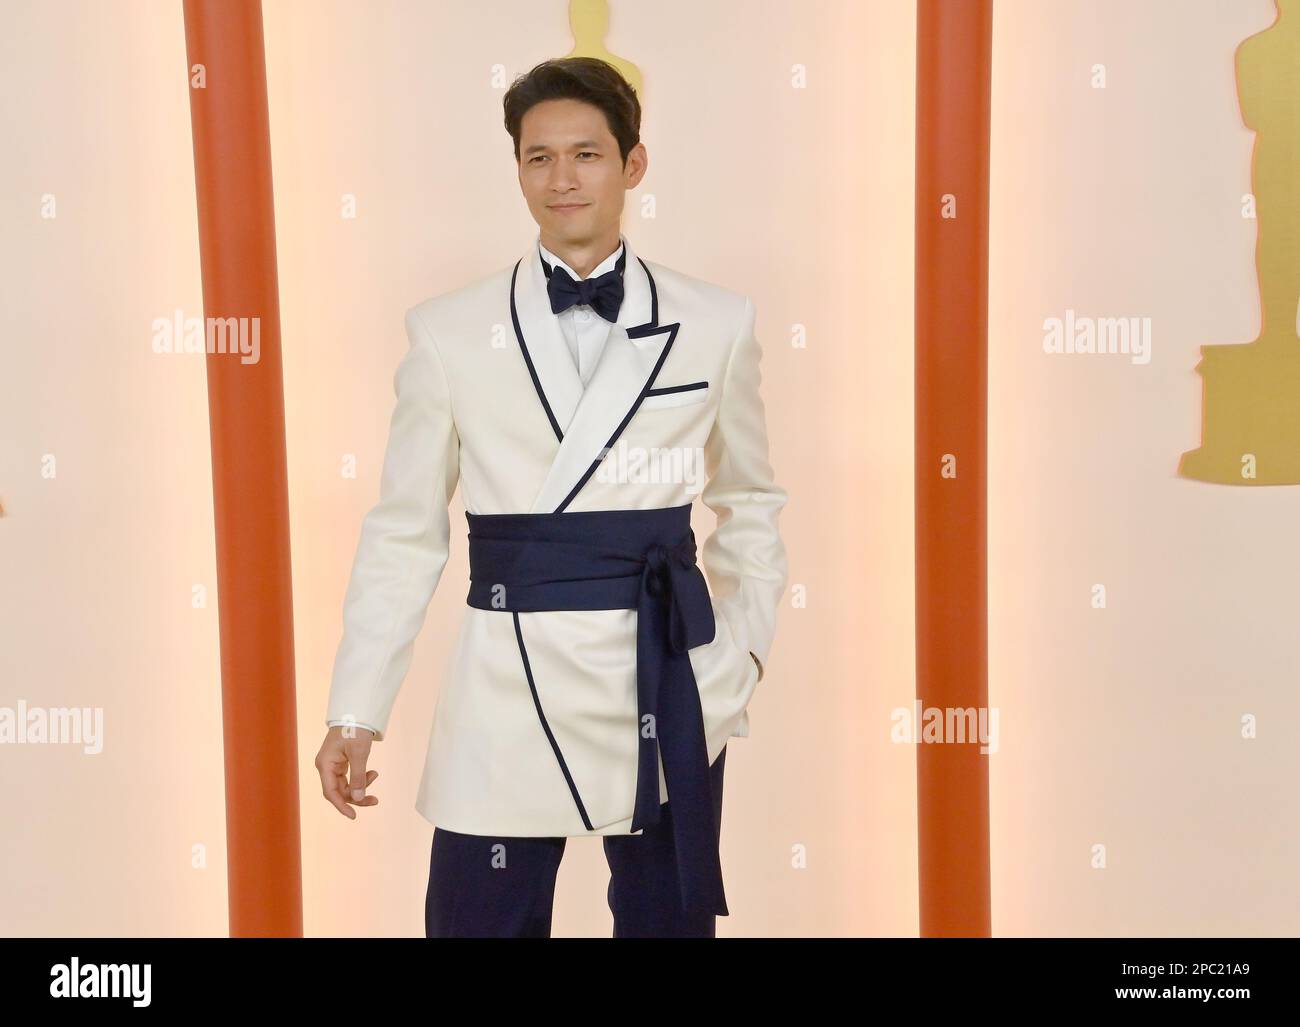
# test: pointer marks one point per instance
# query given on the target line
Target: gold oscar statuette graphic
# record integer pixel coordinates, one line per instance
(1250, 434)
(589, 20)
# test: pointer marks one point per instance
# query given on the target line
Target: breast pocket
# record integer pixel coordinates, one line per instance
(675, 396)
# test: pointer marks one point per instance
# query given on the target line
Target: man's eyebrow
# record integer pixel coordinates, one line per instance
(581, 144)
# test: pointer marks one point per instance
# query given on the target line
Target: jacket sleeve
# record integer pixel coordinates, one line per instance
(744, 558)
(404, 541)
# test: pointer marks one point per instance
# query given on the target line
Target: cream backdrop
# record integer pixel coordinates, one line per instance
(1119, 727)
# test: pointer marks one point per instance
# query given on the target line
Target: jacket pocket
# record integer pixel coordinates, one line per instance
(675, 396)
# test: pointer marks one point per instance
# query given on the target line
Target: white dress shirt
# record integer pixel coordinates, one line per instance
(584, 330)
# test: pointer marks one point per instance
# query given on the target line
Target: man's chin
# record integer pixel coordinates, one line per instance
(577, 223)
(573, 234)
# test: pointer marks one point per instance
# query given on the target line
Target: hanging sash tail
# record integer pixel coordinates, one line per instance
(643, 560)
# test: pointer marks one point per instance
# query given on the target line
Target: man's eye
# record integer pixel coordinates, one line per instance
(583, 153)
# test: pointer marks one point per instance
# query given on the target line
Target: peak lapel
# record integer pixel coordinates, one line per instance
(636, 348)
(541, 341)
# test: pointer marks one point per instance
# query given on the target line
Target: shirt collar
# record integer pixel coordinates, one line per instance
(605, 265)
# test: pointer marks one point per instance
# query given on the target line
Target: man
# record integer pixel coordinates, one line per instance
(577, 397)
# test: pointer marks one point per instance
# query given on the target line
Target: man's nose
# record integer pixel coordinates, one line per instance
(563, 177)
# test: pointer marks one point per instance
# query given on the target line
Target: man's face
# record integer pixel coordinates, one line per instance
(571, 173)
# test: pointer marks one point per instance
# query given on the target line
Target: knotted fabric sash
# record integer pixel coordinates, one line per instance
(641, 560)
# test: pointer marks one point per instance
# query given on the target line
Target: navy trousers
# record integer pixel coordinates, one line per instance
(484, 886)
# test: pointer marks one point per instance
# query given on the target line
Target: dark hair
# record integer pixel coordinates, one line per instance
(588, 79)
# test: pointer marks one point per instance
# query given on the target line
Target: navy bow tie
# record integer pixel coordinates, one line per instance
(604, 293)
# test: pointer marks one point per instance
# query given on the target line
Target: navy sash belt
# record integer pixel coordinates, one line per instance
(641, 560)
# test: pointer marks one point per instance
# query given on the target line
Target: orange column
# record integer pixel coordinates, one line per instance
(232, 172)
(953, 52)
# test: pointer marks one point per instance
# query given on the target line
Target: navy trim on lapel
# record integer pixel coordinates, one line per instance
(523, 347)
(654, 300)
(640, 332)
(582, 415)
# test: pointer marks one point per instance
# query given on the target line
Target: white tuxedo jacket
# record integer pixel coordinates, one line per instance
(488, 398)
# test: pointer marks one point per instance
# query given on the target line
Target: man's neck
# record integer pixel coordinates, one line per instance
(584, 257)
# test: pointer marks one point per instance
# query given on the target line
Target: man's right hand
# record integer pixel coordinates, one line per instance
(339, 754)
